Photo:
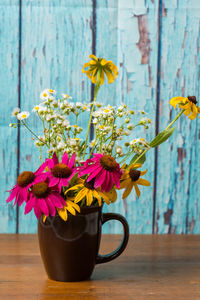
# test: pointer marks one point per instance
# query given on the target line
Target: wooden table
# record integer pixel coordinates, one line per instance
(152, 267)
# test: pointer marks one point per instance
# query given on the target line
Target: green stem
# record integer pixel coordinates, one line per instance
(176, 118)
(97, 86)
(23, 123)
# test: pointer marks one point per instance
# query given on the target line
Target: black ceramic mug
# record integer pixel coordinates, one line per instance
(69, 249)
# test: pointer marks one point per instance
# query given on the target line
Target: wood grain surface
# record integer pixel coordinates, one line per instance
(152, 267)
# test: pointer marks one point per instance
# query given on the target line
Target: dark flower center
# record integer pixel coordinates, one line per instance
(134, 174)
(192, 99)
(40, 190)
(25, 178)
(61, 171)
(108, 163)
(90, 184)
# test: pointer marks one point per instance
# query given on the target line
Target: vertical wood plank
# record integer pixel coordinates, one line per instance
(178, 160)
(127, 34)
(56, 41)
(9, 34)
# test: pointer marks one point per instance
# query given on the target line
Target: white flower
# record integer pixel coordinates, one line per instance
(44, 95)
(65, 123)
(95, 121)
(11, 125)
(79, 104)
(51, 91)
(66, 96)
(36, 108)
(23, 115)
(118, 150)
(15, 111)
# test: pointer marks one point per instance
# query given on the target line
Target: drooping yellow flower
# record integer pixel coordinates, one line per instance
(97, 68)
(187, 104)
(69, 207)
(131, 178)
(86, 189)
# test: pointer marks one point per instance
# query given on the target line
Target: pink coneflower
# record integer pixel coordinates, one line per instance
(60, 173)
(104, 169)
(24, 181)
(44, 199)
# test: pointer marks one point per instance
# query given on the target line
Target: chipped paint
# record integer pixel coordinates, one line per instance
(144, 41)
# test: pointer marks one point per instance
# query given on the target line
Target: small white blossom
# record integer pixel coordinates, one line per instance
(44, 95)
(11, 125)
(23, 115)
(95, 121)
(66, 96)
(15, 111)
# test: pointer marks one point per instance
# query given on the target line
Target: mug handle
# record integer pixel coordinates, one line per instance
(108, 257)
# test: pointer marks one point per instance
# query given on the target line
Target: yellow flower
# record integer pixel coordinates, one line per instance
(86, 189)
(187, 104)
(69, 207)
(131, 178)
(100, 66)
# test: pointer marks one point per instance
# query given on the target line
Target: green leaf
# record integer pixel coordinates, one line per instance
(161, 137)
(140, 161)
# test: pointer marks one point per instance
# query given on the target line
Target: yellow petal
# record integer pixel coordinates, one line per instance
(94, 76)
(137, 190)
(44, 218)
(62, 213)
(125, 183)
(102, 77)
(105, 198)
(71, 209)
(89, 197)
(96, 195)
(80, 195)
(143, 172)
(127, 190)
(144, 182)
(93, 57)
(76, 206)
(110, 76)
(104, 62)
(85, 66)
(75, 187)
(175, 100)
(114, 69)
(193, 116)
(134, 166)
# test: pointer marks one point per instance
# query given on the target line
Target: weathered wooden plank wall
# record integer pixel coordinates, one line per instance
(177, 208)
(50, 40)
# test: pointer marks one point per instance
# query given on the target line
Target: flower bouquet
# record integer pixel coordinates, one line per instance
(70, 187)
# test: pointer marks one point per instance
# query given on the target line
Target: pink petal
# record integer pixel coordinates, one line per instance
(100, 179)
(104, 185)
(56, 200)
(13, 194)
(116, 178)
(41, 168)
(65, 181)
(43, 206)
(53, 181)
(72, 160)
(89, 169)
(37, 210)
(95, 173)
(110, 182)
(29, 205)
(55, 159)
(51, 206)
(99, 155)
(65, 159)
